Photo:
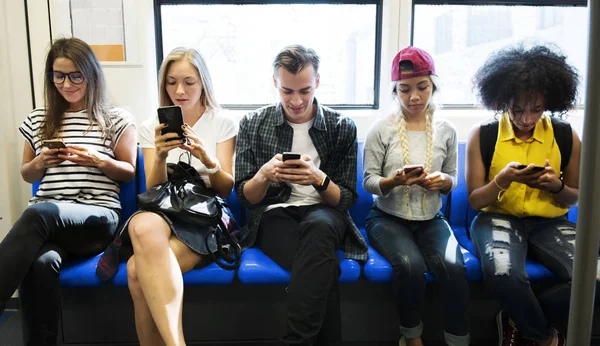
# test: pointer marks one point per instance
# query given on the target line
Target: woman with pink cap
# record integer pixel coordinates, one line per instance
(410, 160)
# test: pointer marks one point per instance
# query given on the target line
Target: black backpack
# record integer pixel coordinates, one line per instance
(488, 135)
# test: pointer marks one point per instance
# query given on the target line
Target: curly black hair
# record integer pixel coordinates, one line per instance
(515, 70)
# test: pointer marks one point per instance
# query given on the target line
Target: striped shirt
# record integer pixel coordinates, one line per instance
(264, 133)
(69, 182)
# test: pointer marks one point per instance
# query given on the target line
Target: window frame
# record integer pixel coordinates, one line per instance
(378, 39)
(533, 3)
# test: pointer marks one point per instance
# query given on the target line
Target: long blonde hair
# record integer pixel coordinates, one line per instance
(429, 128)
(192, 56)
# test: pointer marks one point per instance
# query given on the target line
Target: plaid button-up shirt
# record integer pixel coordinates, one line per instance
(265, 133)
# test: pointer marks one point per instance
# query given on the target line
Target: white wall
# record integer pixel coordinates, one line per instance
(133, 84)
(15, 104)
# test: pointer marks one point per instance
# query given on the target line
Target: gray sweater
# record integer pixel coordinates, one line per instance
(383, 156)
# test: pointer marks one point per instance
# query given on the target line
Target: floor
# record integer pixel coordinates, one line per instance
(10, 329)
(10, 334)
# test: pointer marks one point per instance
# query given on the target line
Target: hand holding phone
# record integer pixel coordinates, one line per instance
(409, 168)
(534, 170)
(173, 117)
(54, 143)
(291, 156)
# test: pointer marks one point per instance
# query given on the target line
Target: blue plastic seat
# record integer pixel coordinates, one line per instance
(257, 268)
(209, 275)
(80, 273)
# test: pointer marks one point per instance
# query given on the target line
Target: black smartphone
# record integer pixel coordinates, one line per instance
(291, 156)
(535, 168)
(54, 143)
(409, 168)
(173, 117)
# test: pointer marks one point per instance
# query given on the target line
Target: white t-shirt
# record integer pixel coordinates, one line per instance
(303, 145)
(213, 127)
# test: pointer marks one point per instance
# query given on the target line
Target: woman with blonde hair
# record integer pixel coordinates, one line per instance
(166, 247)
(79, 148)
(410, 160)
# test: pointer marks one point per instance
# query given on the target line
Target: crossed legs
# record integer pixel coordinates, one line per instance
(155, 280)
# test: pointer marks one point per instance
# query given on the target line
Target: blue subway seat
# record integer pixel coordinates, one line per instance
(80, 273)
(209, 275)
(257, 268)
(573, 213)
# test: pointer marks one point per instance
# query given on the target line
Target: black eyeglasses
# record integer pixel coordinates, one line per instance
(59, 77)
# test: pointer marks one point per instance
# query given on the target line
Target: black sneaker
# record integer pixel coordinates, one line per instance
(508, 335)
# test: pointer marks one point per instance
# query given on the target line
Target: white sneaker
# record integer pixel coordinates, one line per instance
(402, 341)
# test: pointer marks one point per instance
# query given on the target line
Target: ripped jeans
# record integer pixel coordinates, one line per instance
(503, 242)
(413, 247)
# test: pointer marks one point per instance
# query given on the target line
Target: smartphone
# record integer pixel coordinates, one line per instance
(291, 156)
(173, 117)
(54, 143)
(410, 168)
(535, 168)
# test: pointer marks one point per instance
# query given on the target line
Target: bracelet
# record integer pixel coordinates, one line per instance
(562, 187)
(501, 192)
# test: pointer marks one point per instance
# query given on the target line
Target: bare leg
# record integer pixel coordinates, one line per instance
(158, 264)
(147, 331)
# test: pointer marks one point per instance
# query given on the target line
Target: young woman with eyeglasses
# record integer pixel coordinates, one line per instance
(76, 209)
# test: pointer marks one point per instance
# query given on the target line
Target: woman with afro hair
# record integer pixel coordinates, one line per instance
(522, 173)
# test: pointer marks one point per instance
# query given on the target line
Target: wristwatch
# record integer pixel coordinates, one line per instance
(323, 185)
(215, 169)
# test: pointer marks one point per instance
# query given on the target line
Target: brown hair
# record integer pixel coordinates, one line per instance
(295, 58)
(82, 55)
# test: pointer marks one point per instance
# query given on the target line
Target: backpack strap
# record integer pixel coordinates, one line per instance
(564, 139)
(488, 135)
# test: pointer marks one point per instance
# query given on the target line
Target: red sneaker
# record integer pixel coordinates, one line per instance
(508, 335)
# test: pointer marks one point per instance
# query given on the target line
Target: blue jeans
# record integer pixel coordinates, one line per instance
(31, 256)
(413, 247)
(503, 243)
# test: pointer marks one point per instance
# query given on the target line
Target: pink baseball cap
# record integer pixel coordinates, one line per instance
(422, 63)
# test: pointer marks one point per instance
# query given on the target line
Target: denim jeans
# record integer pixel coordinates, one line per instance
(31, 256)
(413, 247)
(503, 243)
(304, 239)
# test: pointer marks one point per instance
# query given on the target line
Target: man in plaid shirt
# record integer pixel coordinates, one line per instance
(298, 207)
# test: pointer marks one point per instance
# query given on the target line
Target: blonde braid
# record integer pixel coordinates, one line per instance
(405, 154)
(429, 155)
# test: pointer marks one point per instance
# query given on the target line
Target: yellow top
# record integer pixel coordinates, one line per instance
(521, 200)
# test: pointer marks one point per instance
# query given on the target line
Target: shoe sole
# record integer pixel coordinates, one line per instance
(499, 326)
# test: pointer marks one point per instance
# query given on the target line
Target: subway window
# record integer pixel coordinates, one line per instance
(240, 39)
(462, 36)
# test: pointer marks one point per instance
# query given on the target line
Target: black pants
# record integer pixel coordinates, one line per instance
(31, 256)
(303, 240)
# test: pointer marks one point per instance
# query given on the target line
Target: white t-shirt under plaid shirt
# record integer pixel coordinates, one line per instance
(69, 182)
